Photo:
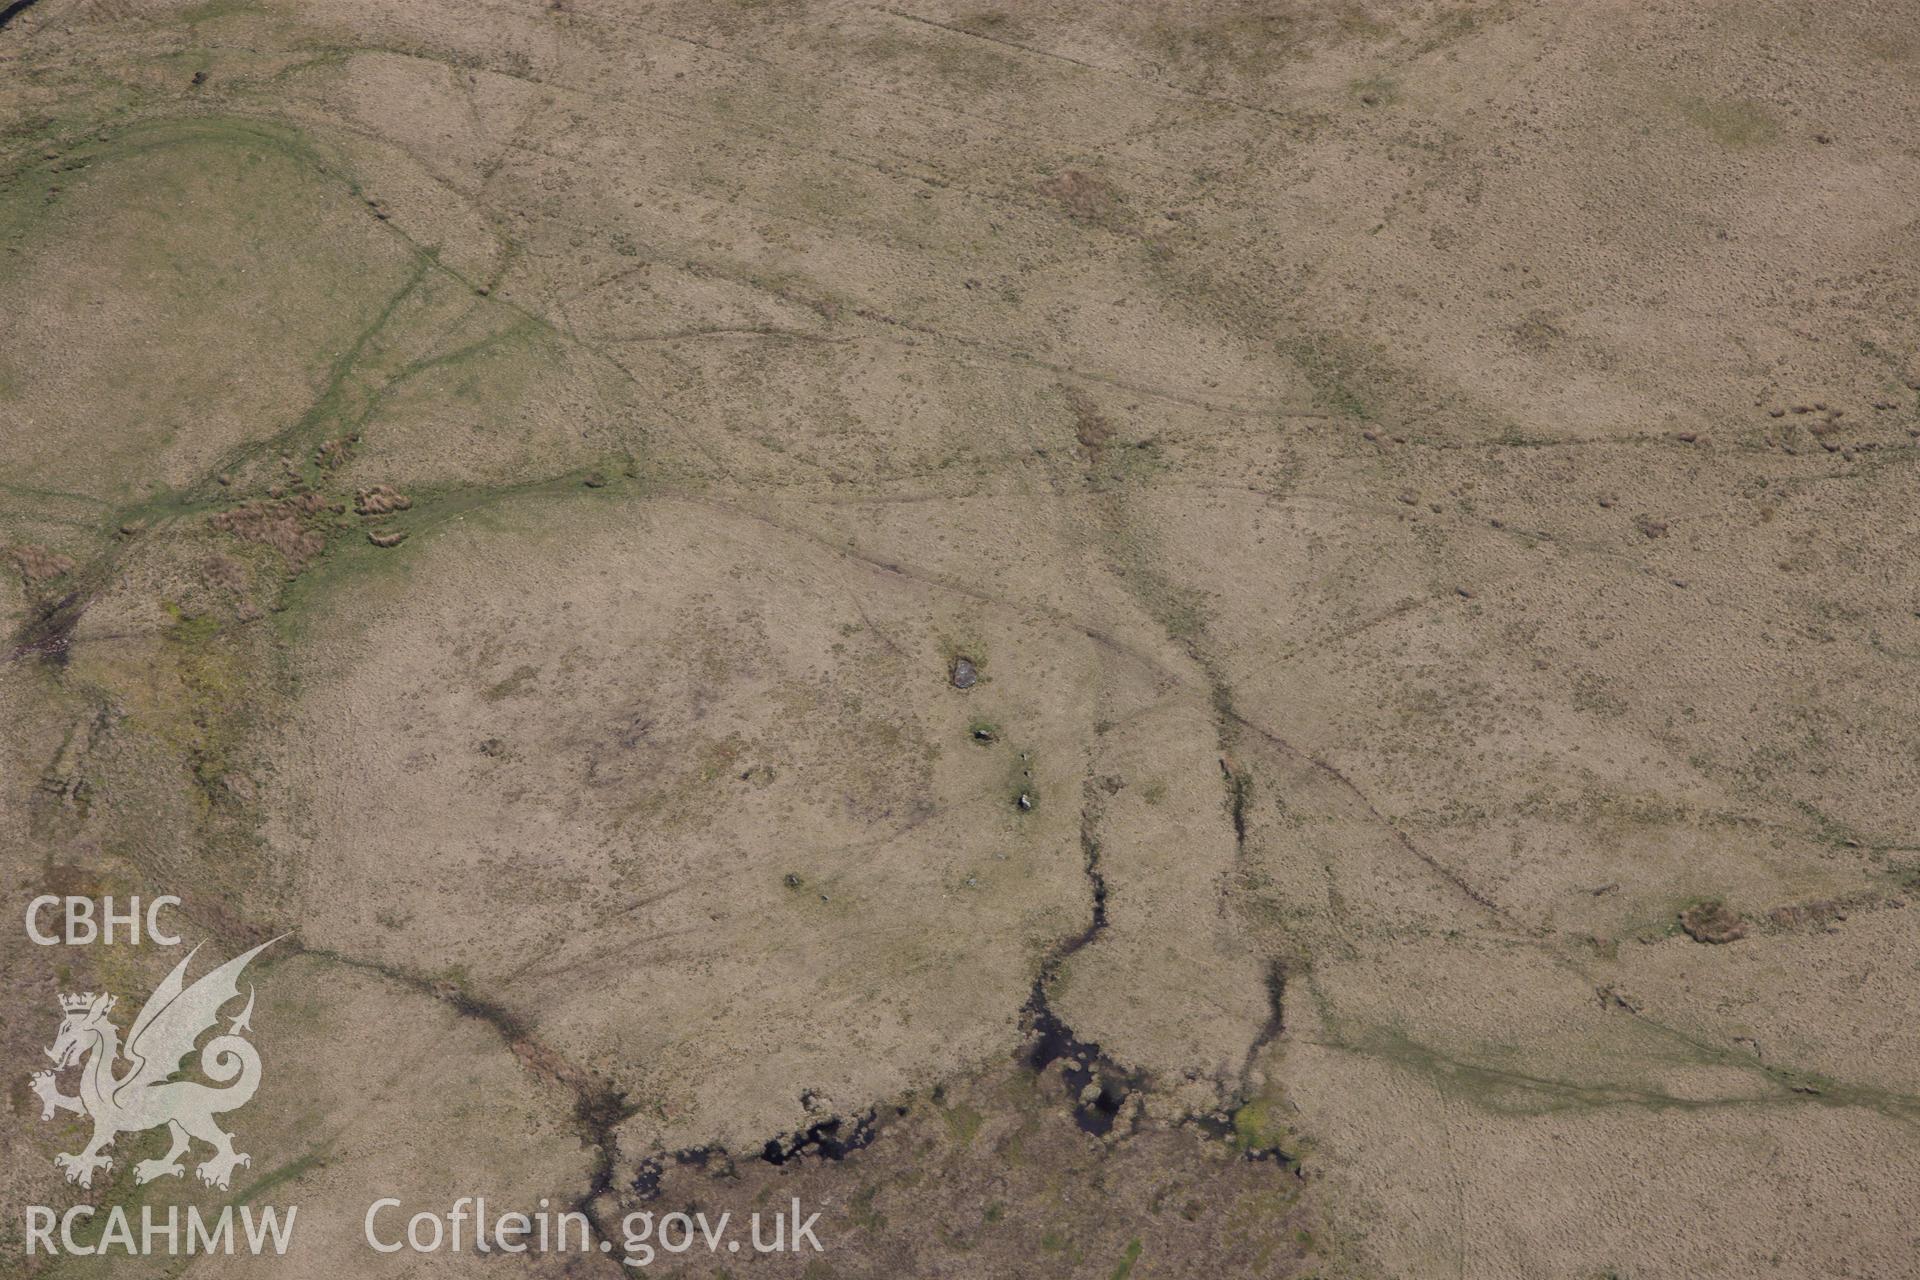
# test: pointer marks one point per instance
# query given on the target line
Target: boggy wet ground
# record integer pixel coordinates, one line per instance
(1009, 1174)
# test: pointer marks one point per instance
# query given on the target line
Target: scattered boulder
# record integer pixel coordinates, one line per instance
(1713, 922)
(332, 453)
(379, 500)
(964, 674)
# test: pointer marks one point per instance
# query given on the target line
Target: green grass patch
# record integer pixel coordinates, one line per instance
(963, 1122)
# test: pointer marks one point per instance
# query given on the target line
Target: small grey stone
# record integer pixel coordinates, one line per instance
(964, 672)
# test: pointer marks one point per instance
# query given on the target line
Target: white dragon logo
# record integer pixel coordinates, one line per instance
(144, 1096)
